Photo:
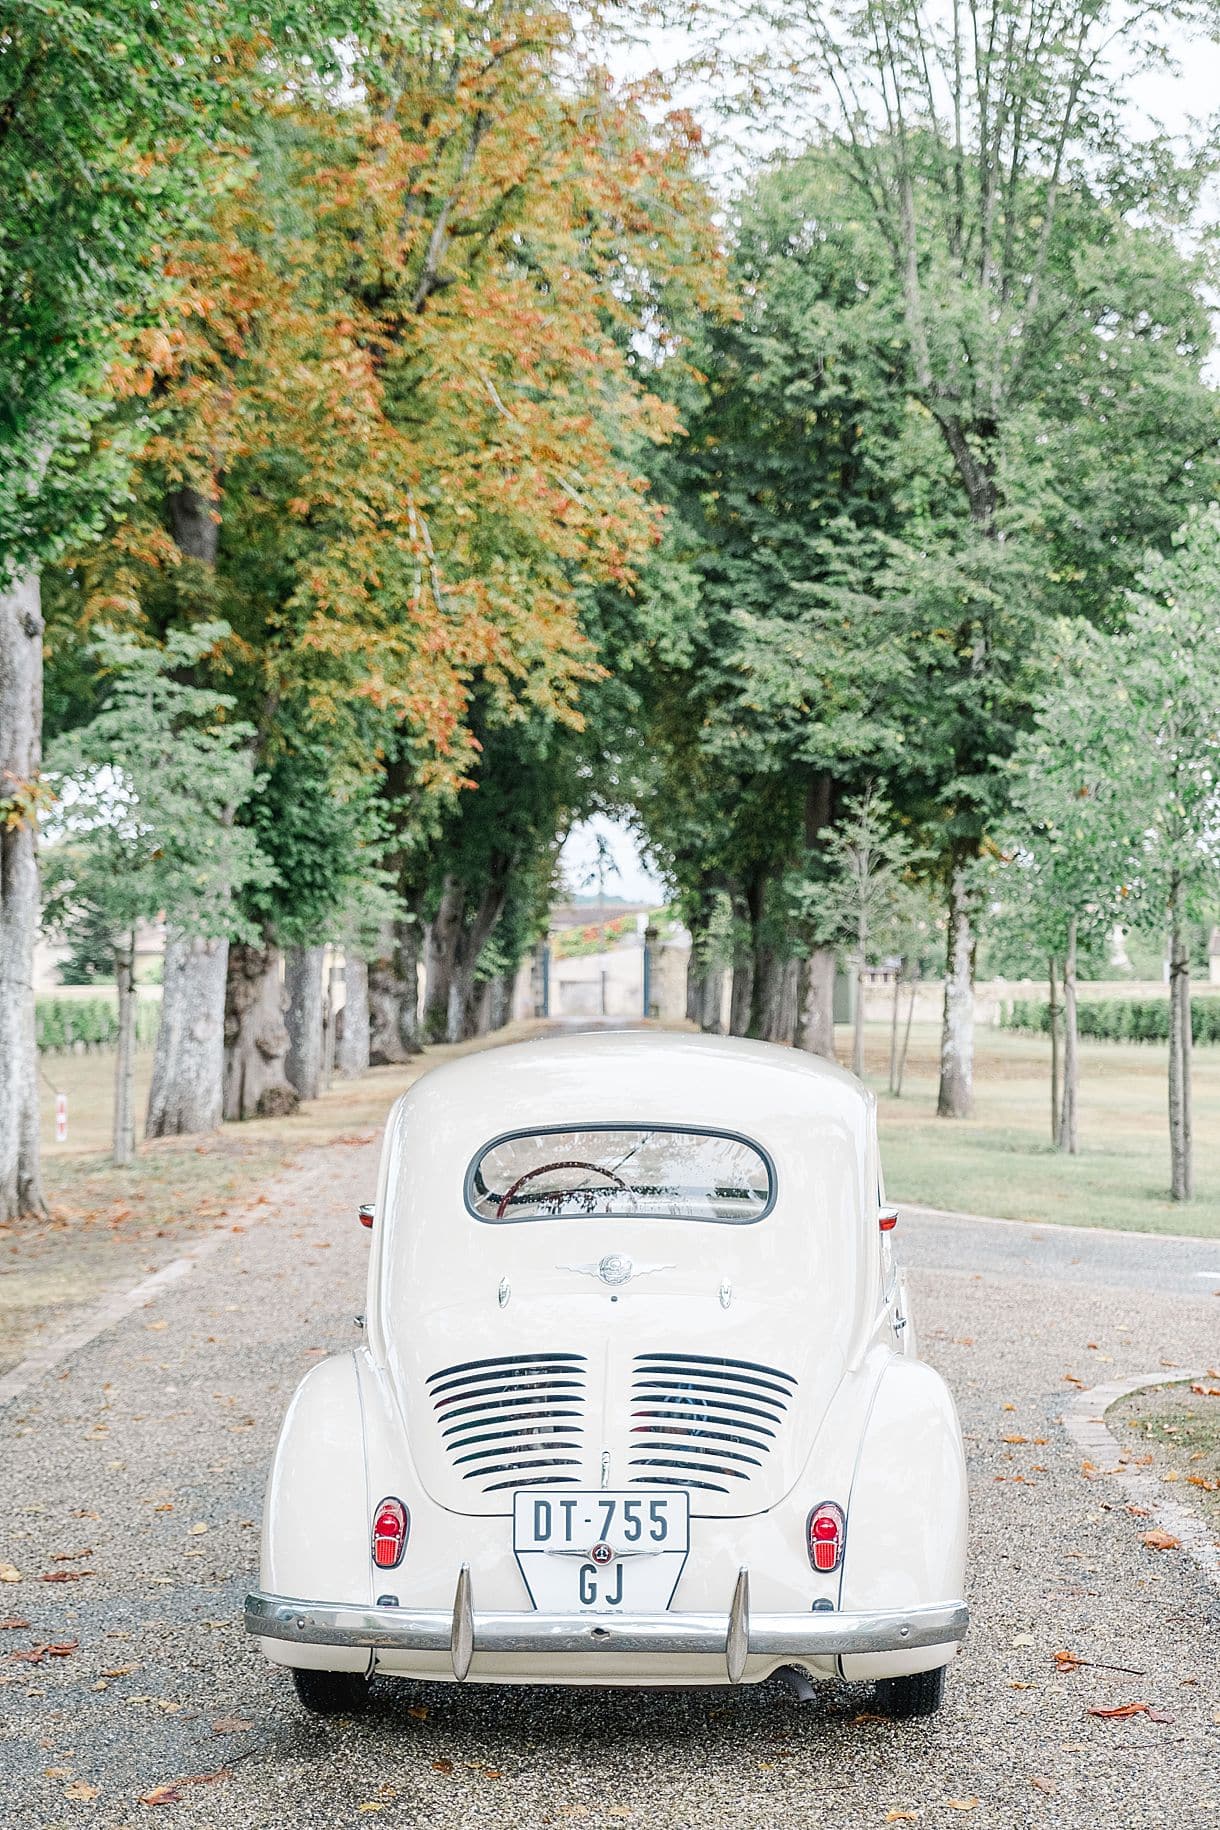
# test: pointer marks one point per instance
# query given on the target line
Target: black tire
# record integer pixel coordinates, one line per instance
(332, 1693)
(920, 1694)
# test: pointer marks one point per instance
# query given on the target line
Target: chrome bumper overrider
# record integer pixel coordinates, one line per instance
(735, 1636)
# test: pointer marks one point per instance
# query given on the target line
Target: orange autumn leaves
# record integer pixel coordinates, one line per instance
(407, 369)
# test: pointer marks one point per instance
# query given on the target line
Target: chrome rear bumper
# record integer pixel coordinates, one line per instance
(735, 1636)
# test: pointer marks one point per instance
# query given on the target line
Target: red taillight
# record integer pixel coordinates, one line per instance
(391, 1523)
(367, 1211)
(887, 1219)
(826, 1531)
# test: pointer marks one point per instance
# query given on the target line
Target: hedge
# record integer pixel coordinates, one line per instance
(63, 1024)
(1116, 1019)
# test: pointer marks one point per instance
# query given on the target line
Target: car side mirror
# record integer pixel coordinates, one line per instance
(366, 1210)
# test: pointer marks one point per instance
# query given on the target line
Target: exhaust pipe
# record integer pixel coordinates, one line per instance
(796, 1683)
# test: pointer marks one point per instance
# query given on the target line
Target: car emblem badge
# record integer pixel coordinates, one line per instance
(602, 1553)
(615, 1268)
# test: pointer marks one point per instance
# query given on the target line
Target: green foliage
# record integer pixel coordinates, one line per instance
(1117, 1019)
(63, 1024)
(108, 114)
(147, 792)
(862, 899)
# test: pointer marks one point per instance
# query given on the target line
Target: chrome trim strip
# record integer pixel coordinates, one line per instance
(814, 1635)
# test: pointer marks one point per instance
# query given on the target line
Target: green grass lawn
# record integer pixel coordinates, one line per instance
(1001, 1161)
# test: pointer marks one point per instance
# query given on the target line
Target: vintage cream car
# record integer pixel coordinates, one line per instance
(637, 1401)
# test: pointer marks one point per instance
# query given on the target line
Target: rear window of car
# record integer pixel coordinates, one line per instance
(659, 1172)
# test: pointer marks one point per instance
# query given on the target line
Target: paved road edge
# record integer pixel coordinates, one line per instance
(1084, 1421)
(99, 1319)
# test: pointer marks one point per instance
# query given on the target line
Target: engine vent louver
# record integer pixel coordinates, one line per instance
(514, 1421)
(703, 1422)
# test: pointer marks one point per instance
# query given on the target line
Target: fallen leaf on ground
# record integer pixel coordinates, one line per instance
(69, 1556)
(418, 1712)
(901, 1817)
(1023, 1639)
(1121, 1711)
(65, 1575)
(161, 1795)
(442, 1766)
(34, 1655)
(1206, 1391)
(8, 1573)
(1138, 1512)
(79, 1789)
(13, 1625)
(1066, 1661)
(962, 1804)
(1014, 1439)
(120, 1671)
(171, 1794)
(1161, 1540)
(1016, 1684)
(197, 1530)
(230, 1725)
(1041, 1784)
(366, 1809)
(1071, 1379)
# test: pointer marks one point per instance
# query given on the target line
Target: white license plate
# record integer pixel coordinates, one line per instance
(600, 1552)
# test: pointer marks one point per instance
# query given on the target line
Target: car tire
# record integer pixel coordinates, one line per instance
(919, 1694)
(332, 1693)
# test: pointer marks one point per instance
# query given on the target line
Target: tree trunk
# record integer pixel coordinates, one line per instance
(1182, 1179)
(1068, 1138)
(187, 1091)
(894, 1030)
(329, 1011)
(906, 1039)
(21, 629)
(500, 999)
(440, 949)
(303, 984)
(696, 987)
(817, 1004)
(394, 1023)
(352, 1043)
(462, 1009)
(125, 1056)
(711, 1009)
(256, 1084)
(773, 996)
(188, 1064)
(956, 1095)
(1053, 1008)
(741, 996)
(857, 1025)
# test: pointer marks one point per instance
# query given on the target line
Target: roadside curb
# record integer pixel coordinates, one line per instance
(1084, 1421)
(103, 1316)
(1053, 1226)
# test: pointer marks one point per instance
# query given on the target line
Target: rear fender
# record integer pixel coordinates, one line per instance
(907, 1513)
(316, 1514)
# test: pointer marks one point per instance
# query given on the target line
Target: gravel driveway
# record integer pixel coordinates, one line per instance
(148, 1450)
